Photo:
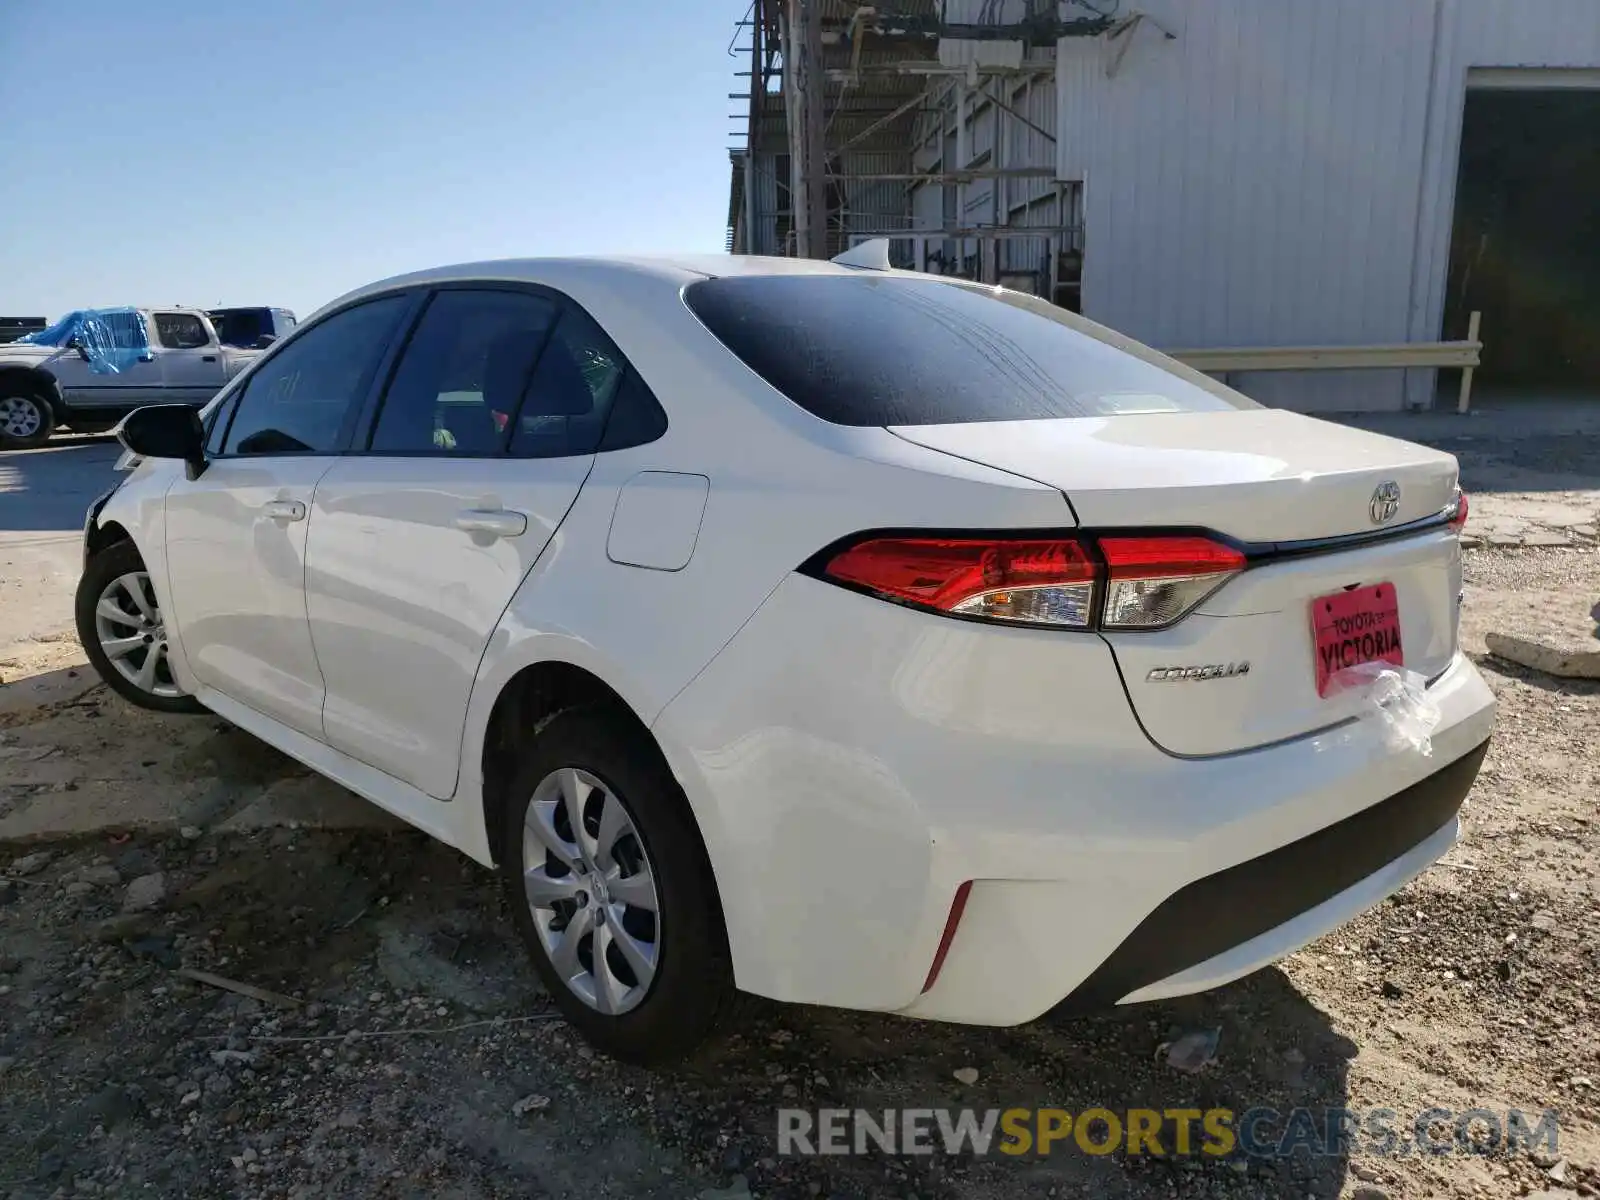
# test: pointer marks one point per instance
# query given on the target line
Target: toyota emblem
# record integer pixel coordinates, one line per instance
(1385, 502)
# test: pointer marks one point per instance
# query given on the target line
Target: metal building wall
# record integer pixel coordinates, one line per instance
(1282, 172)
(763, 182)
(874, 204)
(995, 138)
(1479, 34)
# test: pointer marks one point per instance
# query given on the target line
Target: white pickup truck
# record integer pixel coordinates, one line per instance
(92, 367)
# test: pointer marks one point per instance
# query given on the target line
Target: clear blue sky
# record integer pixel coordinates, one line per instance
(231, 152)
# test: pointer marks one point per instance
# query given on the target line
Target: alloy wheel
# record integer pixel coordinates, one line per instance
(591, 888)
(20, 417)
(130, 629)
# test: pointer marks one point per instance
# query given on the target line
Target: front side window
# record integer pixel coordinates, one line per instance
(296, 402)
(864, 349)
(463, 373)
(181, 331)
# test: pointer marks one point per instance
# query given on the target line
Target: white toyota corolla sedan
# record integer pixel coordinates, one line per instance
(845, 636)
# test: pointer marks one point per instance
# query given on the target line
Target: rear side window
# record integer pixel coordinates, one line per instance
(636, 416)
(463, 374)
(888, 350)
(570, 394)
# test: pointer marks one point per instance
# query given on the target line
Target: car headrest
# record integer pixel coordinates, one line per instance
(506, 366)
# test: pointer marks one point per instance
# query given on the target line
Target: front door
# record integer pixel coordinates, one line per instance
(191, 363)
(236, 536)
(419, 544)
(116, 368)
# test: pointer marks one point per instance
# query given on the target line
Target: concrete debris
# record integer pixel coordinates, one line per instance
(1193, 1051)
(145, 893)
(31, 864)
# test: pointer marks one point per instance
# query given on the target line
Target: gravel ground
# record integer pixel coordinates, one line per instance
(402, 1047)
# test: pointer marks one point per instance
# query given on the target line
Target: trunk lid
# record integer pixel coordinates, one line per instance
(1277, 481)
(1260, 475)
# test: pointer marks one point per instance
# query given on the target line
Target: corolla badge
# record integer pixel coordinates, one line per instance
(1385, 502)
(1200, 674)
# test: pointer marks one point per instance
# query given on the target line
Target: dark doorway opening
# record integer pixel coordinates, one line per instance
(1526, 244)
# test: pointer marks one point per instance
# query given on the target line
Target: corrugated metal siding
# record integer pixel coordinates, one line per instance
(1263, 177)
(959, 52)
(1034, 98)
(763, 239)
(875, 204)
(995, 138)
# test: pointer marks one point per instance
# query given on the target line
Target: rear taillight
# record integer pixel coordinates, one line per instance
(1037, 582)
(1071, 582)
(1458, 519)
(1151, 582)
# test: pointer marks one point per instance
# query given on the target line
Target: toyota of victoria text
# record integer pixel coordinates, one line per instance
(831, 633)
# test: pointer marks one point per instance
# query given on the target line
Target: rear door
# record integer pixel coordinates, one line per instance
(191, 360)
(419, 541)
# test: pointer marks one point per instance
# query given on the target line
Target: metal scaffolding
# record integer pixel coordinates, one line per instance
(841, 95)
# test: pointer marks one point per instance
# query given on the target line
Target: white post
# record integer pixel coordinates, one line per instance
(1474, 322)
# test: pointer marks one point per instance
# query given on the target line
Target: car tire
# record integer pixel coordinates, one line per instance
(111, 618)
(655, 855)
(27, 419)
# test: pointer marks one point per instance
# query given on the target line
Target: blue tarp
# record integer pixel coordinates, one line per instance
(113, 339)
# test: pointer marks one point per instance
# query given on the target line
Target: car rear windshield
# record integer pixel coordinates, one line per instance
(892, 350)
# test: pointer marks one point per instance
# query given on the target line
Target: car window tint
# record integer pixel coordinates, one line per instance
(564, 411)
(217, 429)
(238, 326)
(861, 349)
(296, 401)
(181, 331)
(463, 373)
(636, 416)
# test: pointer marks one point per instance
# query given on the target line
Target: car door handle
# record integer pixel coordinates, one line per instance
(208, 358)
(496, 522)
(285, 510)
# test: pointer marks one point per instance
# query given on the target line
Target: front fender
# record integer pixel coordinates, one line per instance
(138, 507)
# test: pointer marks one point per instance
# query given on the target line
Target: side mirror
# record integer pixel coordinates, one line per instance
(74, 344)
(265, 340)
(166, 431)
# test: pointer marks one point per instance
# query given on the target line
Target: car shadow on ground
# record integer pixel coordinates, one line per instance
(24, 693)
(387, 932)
(443, 930)
(1275, 1054)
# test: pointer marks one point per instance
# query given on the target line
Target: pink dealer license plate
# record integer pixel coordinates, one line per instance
(1355, 627)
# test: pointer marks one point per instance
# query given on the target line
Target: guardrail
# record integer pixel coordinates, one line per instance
(1466, 356)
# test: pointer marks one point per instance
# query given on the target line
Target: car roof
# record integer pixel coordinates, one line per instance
(706, 265)
(603, 271)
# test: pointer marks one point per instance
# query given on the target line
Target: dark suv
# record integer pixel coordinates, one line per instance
(246, 327)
